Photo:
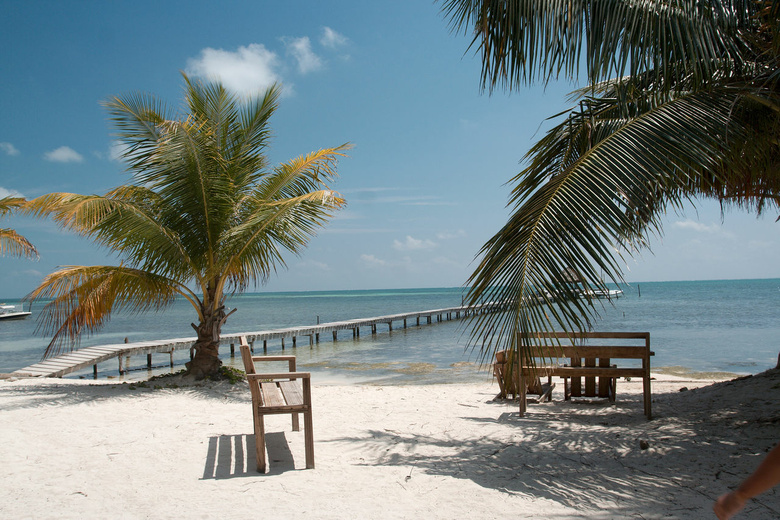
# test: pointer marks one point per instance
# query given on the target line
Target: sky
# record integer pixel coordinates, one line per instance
(426, 181)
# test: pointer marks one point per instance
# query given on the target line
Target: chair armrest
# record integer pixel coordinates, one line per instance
(290, 360)
(272, 358)
(280, 375)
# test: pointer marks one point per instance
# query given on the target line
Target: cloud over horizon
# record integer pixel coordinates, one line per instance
(247, 71)
(300, 49)
(698, 227)
(8, 148)
(4, 192)
(253, 68)
(63, 154)
(413, 244)
(331, 39)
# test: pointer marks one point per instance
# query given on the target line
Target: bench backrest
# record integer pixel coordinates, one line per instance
(249, 368)
(551, 345)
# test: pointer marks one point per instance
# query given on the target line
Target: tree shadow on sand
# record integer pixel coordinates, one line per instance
(54, 393)
(607, 460)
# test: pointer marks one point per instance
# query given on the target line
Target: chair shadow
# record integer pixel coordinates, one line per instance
(233, 456)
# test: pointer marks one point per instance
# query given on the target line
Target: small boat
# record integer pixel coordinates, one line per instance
(13, 312)
(608, 294)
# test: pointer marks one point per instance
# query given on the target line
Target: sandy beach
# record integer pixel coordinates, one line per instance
(86, 449)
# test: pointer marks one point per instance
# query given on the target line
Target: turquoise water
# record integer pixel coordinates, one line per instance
(708, 326)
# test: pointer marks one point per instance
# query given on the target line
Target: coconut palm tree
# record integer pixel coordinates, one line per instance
(682, 101)
(11, 242)
(204, 216)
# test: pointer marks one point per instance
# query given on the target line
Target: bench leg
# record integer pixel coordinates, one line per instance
(522, 389)
(260, 443)
(309, 434)
(296, 426)
(648, 397)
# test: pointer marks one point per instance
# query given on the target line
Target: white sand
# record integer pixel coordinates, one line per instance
(77, 449)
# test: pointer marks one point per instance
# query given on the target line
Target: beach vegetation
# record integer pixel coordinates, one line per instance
(11, 242)
(681, 101)
(204, 216)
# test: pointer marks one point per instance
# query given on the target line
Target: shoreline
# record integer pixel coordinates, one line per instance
(337, 377)
(85, 448)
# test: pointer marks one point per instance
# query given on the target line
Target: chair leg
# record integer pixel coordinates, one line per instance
(309, 435)
(296, 426)
(260, 443)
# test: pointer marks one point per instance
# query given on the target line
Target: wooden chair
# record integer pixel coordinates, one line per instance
(505, 373)
(277, 393)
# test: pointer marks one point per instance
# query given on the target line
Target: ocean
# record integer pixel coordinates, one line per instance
(730, 326)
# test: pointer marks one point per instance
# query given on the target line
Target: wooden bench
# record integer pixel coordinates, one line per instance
(278, 393)
(590, 356)
(502, 371)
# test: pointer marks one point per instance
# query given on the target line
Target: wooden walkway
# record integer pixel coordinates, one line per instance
(90, 356)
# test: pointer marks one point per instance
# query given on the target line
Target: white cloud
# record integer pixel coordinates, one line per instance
(313, 265)
(9, 149)
(413, 244)
(449, 235)
(246, 71)
(444, 261)
(332, 39)
(372, 260)
(63, 154)
(9, 193)
(300, 48)
(698, 227)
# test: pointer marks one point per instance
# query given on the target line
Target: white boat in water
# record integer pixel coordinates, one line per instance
(13, 312)
(608, 294)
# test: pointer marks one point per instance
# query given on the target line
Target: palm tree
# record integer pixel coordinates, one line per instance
(11, 242)
(682, 101)
(204, 216)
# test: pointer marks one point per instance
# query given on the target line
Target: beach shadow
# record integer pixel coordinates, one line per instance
(608, 461)
(52, 392)
(233, 456)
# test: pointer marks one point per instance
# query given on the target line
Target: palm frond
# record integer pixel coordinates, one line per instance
(522, 41)
(11, 242)
(257, 244)
(202, 210)
(83, 299)
(14, 244)
(595, 188)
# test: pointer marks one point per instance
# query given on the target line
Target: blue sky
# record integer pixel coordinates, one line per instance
(425, 181)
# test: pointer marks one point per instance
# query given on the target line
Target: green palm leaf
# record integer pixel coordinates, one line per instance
(203, 211)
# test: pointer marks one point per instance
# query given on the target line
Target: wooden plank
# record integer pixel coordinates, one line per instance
(590, 382)
(591, 335)
(576, 382)
(605, 382)
(594, 351)
(577, 372)
(272, 396)
(292, 393)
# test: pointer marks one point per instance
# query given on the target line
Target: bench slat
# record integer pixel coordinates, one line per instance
(292, 393)
(272, 396)
(591, 351)
(591, 371)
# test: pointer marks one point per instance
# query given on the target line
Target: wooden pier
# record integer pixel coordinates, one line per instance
(90, 356)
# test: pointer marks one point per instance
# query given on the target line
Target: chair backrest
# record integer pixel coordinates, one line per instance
(246, 357)
(249, 368)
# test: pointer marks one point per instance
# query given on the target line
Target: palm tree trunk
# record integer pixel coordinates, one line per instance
(206, 361)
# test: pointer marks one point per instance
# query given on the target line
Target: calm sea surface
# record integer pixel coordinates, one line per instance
(704, 326)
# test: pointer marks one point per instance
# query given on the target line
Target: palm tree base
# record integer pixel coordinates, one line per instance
(205, 363)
